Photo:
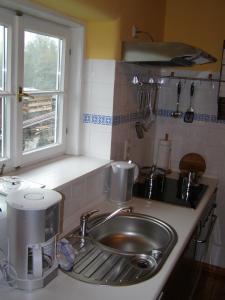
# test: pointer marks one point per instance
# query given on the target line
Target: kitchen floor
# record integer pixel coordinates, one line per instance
(211, 285)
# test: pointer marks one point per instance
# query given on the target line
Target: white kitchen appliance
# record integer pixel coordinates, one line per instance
(9, 184)
(164, 54)
(33, 217)
(121, 179)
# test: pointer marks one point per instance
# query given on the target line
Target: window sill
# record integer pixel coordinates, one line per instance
(62, 170)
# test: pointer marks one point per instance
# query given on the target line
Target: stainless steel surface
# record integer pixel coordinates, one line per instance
(155, 174)
(186, 186)
(131, 234)
(164, 53)
(146, 103)
(177, 113)
(189, 115)
(32, 238)
(83, 223)
(128, 209)
(210, 229)
(121, 180)
(85, 217)
(144, 247)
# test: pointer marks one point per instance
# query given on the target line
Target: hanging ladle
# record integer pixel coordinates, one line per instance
(177, 113)
(189, 115)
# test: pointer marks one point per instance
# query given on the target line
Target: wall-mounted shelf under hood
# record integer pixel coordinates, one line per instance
(164, 54)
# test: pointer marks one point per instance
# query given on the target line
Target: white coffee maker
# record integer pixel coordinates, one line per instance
(33, 217)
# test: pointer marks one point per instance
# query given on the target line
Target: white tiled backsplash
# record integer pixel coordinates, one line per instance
(80, 195)
(204, 136)
(97, 108)
(110, 110)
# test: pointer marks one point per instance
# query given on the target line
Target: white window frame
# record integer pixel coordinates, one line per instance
(42, 27)
(7, 20)
(72, 79)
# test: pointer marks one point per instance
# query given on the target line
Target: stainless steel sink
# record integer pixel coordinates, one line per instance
(127, 249)
(130, 234)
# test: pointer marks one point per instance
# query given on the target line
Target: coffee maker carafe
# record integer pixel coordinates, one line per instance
(32, 226)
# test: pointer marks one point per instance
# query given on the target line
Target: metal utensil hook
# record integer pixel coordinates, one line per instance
(135, 80)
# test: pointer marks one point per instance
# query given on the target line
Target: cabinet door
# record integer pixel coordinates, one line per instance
(184, 276)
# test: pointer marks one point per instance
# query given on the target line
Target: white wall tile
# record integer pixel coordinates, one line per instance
(98, 91)
(79, 193)
(103, 71)
(100, 143)
(97, 182)
(102, 96)
(85, 147)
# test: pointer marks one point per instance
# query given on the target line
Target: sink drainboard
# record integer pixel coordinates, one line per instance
(95, 265)
(125, 250)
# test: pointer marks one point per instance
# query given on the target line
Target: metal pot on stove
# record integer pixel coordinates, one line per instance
(192, 167)
(154, 182)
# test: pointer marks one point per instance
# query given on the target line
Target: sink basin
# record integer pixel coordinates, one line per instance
(125, 250)
(130, 234)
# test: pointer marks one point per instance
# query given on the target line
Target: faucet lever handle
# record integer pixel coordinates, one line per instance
(87, 214)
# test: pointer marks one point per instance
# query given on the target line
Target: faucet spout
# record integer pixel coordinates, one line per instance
(85, 217)
(128, 209)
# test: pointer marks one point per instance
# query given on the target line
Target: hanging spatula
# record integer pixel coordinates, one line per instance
(189, 115)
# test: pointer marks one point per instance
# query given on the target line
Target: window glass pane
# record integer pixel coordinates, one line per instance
(2, 127)
(42, 60)
(40, 122)
(1, 55)
(3, 52)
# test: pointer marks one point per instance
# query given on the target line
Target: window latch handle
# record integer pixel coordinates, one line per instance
(21, 94)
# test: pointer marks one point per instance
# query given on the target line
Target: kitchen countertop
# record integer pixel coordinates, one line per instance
(182, 219)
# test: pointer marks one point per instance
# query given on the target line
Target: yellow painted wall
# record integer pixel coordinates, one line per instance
(110, 22)
(102, 39)
(197, 22)
(84, 10)
(147, 15)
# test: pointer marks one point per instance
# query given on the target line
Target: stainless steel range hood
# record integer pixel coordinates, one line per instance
(164, 54)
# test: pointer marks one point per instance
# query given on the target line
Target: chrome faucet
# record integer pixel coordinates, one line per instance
(85, 217)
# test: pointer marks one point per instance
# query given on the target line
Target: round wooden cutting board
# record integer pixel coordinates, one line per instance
(192, 162)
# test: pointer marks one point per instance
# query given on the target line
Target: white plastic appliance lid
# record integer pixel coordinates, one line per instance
(33, 199)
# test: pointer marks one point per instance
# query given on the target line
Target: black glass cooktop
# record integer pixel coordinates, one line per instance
(170, 193)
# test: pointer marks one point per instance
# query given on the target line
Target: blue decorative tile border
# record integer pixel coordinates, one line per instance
(137, 116)
(197, 116)
(97, 119)
(115, 120)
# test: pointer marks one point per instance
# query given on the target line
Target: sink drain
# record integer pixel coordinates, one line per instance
(143, 262)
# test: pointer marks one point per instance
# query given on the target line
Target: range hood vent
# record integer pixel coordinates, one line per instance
(164, 54)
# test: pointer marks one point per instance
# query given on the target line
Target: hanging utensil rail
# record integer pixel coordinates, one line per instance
(159, 79)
